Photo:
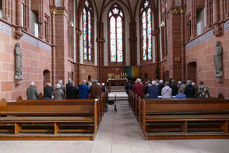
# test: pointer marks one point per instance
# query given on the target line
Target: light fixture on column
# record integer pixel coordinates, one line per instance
(162, 24)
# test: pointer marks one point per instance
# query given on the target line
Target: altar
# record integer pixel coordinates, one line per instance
(116, 81)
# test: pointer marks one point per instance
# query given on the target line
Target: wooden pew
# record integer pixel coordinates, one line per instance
(184, 118)
(49, 120)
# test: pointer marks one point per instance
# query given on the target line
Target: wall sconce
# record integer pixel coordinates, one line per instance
(71, 24)
(78, 32)
(162, 24)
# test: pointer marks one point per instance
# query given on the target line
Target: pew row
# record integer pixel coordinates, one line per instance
(50, 119)
(182, 118)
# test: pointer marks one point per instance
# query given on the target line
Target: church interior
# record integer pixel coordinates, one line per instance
(49, 40)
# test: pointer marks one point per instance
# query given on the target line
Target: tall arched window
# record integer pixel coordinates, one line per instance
(146, 23)
(116, 34)
(87, 31)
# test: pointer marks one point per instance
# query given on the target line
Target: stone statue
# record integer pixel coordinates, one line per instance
(218, 60)
(18, 62)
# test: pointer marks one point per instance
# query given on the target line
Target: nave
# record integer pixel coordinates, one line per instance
(119, 132)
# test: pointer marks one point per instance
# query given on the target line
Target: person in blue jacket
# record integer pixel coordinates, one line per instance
(180, 94)
(84, 90)
(153, 90)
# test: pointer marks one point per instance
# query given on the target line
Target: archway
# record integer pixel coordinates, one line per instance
(191, 71)
(46, 77)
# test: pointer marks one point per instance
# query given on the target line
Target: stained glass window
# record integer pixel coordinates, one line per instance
(87, 31)
(146, 31)
(116, 34)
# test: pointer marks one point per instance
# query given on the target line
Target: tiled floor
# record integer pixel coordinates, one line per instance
(118, 133)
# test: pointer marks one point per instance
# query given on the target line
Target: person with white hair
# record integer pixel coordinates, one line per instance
(166, 92)
(60, 82)
(58, 92)
(189, 90)
(31, 92)
(153, 90)
(84, 90)
(139, 88)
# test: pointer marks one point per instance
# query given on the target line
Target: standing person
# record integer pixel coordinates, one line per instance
(182, 86)
(174, 87)
(62, 86)
(31, 92)
(95, 90)
(160, 86)
(189, 90)
(153, 90)
(84, 90)
(196, 89)
(203, 91)
(128, 86)
(139, 88)
(48, 90)
(166, 92)
(71, 91)
(58, 92)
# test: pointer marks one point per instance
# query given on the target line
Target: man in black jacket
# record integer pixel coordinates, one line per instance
(48, 90)
(189, 90)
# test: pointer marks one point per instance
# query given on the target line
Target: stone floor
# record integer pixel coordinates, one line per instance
(118, 133)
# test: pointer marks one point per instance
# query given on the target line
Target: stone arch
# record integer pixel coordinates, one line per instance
(192, 71)
(46, 77)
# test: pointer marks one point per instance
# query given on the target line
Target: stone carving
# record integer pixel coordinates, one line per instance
(218, 60)
(218, 30)
(18, 62)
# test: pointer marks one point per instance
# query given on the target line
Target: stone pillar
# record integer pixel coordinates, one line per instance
(53, 42)
(18, 31)
(218, 30)
(18, 13)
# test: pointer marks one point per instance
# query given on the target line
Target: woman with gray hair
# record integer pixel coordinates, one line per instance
(58, 92)
(31, 92)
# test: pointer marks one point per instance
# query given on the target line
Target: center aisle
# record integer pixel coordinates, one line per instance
(120, 133)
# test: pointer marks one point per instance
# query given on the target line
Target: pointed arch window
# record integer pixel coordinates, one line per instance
(116, 34)
(146, 39)
(87, 31)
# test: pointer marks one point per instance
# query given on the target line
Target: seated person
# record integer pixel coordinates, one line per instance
(84, 90)
(180, 94)
(153, 90)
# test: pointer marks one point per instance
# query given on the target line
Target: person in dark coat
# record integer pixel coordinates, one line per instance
(153, 90)
(95, 90)
(48, 91)
(84, 90)
(72, 91)
(160, 86)
(128, 86)
(173, 87)
(139, 88)
(189, 90)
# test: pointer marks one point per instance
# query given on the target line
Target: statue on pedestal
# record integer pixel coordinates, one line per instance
(18, 62)
(218, 60)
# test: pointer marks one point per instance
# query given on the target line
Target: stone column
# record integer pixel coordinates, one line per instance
(218, 30)
(18, 31)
